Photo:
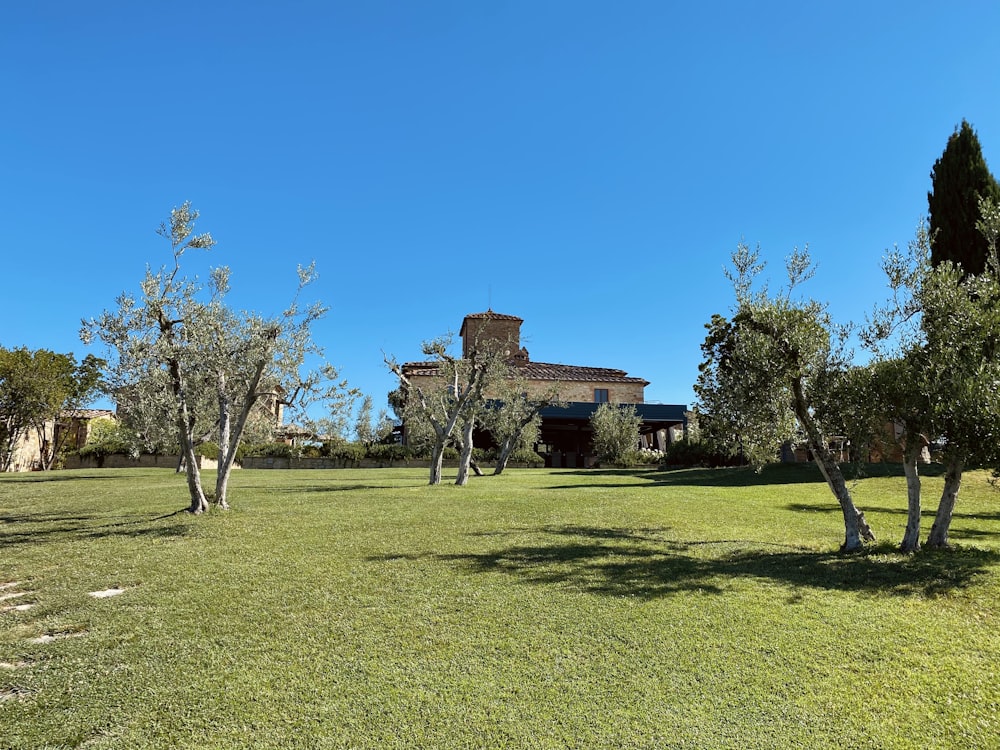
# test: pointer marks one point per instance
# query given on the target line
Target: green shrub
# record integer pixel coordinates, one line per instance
(647, 457)
(271, 450)
(209, 450)
(108, 437)
(687, 453)
(483, 455)
(347, 451)
(388, 452)
(526, 456)
(616, 432)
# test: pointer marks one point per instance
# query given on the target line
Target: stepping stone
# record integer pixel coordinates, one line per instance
(49, 637)
(106, 593)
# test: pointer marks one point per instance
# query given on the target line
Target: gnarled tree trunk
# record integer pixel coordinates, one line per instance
(465, 458)
(437, 460)
(911, 454)
(185, 433)
(942, 521)
(856, 528)
(505, 452)
(199, 503)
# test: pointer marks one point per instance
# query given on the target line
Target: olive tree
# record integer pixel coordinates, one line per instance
(450, 400)
(179, 343)
(616, 431)
(512, 417)
(947, 378)
(765, 370)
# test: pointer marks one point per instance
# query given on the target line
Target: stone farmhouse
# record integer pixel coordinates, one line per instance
(565, 439)
(70, 431)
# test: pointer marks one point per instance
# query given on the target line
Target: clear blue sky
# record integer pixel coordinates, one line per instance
(587, 166)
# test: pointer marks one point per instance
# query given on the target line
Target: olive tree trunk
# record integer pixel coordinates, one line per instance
(911, 455)
(946, 507)
(185, 434)
(856, 528)
(506, 449)
(465, 458)
(437, 460)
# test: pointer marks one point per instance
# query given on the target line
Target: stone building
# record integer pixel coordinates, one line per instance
(67, 433)
(565, 438)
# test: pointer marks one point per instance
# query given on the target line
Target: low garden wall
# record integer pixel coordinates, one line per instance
(123, 461)
(149, 460)
(283, 462)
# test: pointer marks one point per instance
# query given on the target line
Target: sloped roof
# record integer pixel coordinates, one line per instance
(549, 371)
(490, 315)
(428, 369)
(86, 413)
(544, 371)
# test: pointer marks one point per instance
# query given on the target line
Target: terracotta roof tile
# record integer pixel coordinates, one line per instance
(490, 315)
(86, 413)
(549, 371)
(544, 371)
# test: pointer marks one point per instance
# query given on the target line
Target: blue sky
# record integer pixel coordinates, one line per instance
(587, 166)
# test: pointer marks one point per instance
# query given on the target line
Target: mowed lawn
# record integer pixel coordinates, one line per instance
(539, 609)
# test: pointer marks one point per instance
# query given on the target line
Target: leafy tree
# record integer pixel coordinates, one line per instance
(107, 437)
(960, 179)
(616, 431)
(178, 343)
(363, 429)
(35, 387)
(367, 432)
(944, 382)
(765, 371)
(962, 326)
(384, 427)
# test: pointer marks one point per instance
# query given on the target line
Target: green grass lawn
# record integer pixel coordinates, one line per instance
(538, 609)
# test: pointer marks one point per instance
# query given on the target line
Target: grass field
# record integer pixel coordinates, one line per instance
(539, 609)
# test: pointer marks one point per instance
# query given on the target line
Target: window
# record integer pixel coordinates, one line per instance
(600, 395)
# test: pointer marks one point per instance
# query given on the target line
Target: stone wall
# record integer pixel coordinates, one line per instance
(618, 393)
(121, 461)
(487, 332)
(279, 462)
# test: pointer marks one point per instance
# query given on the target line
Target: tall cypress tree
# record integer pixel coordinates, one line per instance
(959, 179)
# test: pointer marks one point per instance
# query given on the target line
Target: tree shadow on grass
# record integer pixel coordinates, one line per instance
(39, 528)
(73, 475)
(738, 476)
(641, 563)
(928, 513)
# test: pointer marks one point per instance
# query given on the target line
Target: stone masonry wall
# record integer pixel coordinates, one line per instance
(618, 393)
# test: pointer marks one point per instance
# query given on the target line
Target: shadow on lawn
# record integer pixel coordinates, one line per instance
(38, 528)
(624, 562)
(739, 476)
(928, 513)
(73, 475)
(322, 488)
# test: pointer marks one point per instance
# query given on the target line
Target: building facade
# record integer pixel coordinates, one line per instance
(565, 437)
